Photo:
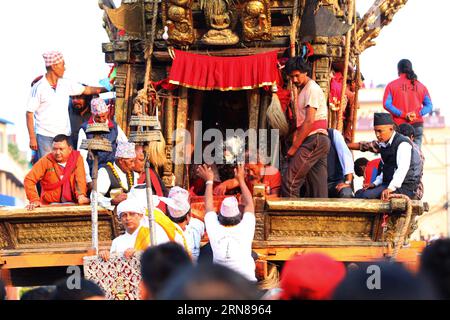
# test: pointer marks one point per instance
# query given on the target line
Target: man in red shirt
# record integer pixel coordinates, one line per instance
(407, 99)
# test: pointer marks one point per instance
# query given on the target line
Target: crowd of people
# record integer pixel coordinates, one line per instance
(168, 273)
(318, 162)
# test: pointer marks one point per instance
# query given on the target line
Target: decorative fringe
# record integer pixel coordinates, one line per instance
(276, 117)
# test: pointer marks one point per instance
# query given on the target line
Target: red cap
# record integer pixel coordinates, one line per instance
(312, 276)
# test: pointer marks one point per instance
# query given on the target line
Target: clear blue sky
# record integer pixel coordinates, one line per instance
(75, 28)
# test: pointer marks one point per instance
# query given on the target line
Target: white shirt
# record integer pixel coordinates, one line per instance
(124, 242)
(193, 234)
(127, 241)
(232, 246)
(103, 184)
(403, 163)
(344, 154)
(312, 96)
(51, 107)
(84, 153)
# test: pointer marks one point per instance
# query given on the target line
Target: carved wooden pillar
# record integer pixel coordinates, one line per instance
(169, 127)
(259, 199)
(195, 114)
(122, 92)
(196, 111)
(253, 98)
(322, 74)
(266, 99)
(181, 124)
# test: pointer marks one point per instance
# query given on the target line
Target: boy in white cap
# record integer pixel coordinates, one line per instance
(47, 106)
(100, 114)
(118, 177)
(231, 231)
(180, 213)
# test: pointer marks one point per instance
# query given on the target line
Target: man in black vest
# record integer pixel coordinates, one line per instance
(401, 169)
(100, 114)
(117, 178)
(340, 167)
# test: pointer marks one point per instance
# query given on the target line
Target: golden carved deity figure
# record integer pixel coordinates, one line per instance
(180, 22)
(219, 18)
(256, 20)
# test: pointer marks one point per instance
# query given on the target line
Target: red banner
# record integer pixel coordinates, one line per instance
(204, 72)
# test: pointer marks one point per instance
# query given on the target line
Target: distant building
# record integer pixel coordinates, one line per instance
(434, 149)
(12, 173)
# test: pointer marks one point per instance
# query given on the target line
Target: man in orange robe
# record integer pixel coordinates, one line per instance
(61, 174)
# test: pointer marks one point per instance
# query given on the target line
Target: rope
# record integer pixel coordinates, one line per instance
(400, 238)
(343, 102)
(149, 46)
(293, 41)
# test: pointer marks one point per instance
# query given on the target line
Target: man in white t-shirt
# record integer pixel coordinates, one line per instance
(231, 231)
(307, 156)
(180, 213)
(47, 108)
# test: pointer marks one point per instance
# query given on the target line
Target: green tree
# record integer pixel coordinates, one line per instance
(14, 152)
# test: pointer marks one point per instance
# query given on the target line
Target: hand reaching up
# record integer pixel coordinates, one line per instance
(205, 172)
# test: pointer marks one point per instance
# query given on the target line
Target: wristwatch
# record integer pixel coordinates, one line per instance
(348, 182)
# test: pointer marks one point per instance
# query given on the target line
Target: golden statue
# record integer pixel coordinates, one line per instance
(219, 19)
(256, 20)
(180, 22)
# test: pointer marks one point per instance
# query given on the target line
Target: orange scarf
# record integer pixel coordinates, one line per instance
(143, 237)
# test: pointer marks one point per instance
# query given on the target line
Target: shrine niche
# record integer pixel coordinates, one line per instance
(219, 18)
(180, 22)
(256, 20)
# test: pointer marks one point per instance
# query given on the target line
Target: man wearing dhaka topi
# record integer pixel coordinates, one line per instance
(47, 107)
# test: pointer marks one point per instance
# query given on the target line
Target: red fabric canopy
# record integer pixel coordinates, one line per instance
(204, 72)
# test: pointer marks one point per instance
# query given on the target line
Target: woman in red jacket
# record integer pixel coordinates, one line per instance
(407, 99)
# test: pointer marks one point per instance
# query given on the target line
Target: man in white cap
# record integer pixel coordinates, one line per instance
(117, 178)
(231, 231)
(100, 114)
(131, 213)
(180, 213)
(47, 107)
(166, 229)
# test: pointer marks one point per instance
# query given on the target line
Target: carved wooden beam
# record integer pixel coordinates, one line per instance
(379, 15)
(343, 205)
(51, 227)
